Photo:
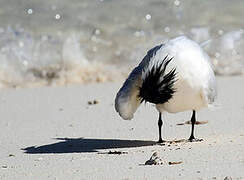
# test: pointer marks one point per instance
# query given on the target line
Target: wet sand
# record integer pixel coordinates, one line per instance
(62, 133)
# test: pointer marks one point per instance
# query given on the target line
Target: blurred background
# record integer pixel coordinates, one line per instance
(59, 42)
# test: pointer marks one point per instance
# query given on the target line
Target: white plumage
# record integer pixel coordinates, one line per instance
(193, 84)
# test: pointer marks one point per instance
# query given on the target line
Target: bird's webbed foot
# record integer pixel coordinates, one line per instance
(193, 139)
(160, 141)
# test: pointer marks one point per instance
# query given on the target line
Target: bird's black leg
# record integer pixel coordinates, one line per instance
(193, 121)
(160, 123)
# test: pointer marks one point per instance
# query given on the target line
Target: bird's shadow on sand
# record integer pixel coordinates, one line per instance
(83, 145)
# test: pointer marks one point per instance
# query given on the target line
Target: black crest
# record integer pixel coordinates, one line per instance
(157, 87)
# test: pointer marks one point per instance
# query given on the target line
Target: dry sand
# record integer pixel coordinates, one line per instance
(54, 133)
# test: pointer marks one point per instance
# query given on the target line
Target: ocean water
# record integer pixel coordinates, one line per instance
(60, 42)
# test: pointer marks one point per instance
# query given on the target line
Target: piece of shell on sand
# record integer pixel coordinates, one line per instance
(154, 160)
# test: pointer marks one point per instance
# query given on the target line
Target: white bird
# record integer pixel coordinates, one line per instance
(175, 76)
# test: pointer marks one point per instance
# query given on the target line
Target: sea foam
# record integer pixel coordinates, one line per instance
(27, 61)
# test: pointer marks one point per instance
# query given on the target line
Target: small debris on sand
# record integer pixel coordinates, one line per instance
(154, 160)
(89, 103)
(175, 162)
(93, 102)
(11, 155)
(227, 178)
(4, 166)
(38, 159)
(113, 152)
(173, 142)
(196, 123)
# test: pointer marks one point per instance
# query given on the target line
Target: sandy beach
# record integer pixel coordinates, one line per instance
(62, 63)
(60, 133)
